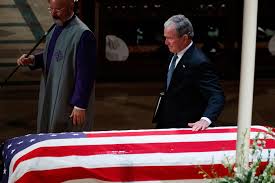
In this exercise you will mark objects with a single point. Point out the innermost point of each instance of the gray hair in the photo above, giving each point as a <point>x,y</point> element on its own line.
<point>183,25</point>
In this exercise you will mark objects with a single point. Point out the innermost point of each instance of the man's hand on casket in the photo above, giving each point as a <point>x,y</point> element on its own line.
<point>199,125</point>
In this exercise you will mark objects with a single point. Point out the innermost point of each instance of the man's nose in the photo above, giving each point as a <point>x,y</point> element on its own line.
<point>54,12</point>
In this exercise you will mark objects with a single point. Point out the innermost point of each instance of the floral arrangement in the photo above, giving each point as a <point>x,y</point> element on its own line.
<point>253,173</point>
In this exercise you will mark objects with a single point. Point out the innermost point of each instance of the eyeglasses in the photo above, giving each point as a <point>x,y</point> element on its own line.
<point>51,10</point>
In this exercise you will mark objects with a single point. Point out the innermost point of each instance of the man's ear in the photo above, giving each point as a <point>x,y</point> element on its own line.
<point>186,37</point>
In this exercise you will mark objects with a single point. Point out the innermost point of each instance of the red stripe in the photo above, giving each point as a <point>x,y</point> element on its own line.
<point>170,147</point>
<point>126,174</point>
<point>121,174</point>
<point>166,132</point>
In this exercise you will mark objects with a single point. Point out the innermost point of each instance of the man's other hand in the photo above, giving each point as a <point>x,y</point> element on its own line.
<point>25,61</point>
<point>78,116</point>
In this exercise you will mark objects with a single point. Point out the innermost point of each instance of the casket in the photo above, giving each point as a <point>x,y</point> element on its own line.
<point>132,156</point>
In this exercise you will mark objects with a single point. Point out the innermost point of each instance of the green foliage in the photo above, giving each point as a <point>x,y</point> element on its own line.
<point>251,174</point>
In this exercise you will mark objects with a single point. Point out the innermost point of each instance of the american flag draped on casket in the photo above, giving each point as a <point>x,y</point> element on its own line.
<point>133,156</point>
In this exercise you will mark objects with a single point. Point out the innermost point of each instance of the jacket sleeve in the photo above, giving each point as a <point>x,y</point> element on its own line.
<point>211,90</point>
<point>85,70</point>
<point>38,62</point>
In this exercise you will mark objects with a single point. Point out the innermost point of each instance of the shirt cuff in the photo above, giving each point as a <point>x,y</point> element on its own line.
<point>32,65</point>
<point>75,107</point>
<point>207,119</point>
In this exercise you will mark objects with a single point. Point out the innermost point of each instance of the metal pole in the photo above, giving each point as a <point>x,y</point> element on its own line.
<point>246,81</point>
<point>30,52</point>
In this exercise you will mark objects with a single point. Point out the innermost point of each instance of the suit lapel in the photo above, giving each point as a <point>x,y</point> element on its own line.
<point>183,64</point>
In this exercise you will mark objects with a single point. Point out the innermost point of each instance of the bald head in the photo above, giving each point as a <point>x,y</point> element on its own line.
<point>69,1</point>
<point>63,3</point>
<point>61,10</point>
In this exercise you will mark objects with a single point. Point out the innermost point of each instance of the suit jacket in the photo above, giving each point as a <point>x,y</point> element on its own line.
<point>194,92</point>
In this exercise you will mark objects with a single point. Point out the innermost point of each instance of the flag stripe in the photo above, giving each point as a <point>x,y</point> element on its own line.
<point>128,160</point>
<point>177,147</point>
<point>168,132</point>
<point>122,174</point>
<point>131,174</point>
<point>125,174</point>
<point>91,180</point>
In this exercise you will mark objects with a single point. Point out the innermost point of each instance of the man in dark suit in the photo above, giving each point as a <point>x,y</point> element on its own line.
<point>192,95</point>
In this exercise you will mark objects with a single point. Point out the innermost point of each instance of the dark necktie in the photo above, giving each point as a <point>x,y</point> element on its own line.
<point>171,70</point>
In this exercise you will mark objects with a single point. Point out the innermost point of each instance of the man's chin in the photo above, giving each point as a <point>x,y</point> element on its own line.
<point>172,51</point>
<point>58,22</point>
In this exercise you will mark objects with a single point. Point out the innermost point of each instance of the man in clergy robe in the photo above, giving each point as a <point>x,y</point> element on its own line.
<point>68,72</point>
<point>192,96</point>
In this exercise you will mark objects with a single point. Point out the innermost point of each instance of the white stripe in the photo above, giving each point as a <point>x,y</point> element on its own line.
<point>170,129</point>
<point>128,160</point>
<point>159,181</point>
<point>201,137</point>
